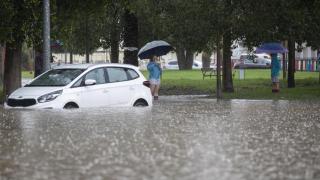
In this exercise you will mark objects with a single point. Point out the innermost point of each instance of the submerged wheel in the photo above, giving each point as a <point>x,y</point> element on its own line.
<point>71,106</point>
<point>140,103</point>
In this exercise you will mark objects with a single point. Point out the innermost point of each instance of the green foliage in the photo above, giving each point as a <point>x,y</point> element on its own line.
<point>110,23</point>
<point>19,21</point>
<point>182,23</point>
<point>278,20</point>
<point>77,24</point>
<point>6,14</point>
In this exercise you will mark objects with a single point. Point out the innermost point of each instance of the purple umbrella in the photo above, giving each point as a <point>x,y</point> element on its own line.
<point>271,48</point>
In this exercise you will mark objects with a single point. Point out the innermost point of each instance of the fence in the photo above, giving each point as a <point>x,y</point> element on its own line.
<point>309,65</point>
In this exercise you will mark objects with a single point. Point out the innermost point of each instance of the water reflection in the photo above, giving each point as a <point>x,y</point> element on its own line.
<point>179,138</point>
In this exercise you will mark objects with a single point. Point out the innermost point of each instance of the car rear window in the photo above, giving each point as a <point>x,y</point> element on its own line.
<point>132,74</point>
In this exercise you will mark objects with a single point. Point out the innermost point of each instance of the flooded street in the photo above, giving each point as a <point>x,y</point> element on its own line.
<point>182,138</point>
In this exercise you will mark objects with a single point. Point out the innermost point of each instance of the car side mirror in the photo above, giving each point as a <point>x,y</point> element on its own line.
<point>90,82</point>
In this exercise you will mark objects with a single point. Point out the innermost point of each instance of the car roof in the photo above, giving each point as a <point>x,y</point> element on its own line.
<point>91,66</point>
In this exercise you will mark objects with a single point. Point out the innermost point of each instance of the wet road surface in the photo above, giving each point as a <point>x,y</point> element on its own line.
<point>181,137</point>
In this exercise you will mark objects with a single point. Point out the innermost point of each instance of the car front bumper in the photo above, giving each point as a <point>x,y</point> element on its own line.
<point>55,104</point>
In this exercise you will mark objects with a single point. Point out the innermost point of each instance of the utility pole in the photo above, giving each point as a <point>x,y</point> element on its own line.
<point>284,62</point>
<point>46,35</point>
<point>218,88</point>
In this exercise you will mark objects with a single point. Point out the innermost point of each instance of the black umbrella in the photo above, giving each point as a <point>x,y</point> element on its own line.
<point>154,48</point>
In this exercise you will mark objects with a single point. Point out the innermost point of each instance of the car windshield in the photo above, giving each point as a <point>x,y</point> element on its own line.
<point>56,77</point>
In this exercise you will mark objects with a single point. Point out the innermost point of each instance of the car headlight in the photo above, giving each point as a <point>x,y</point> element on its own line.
<point>49,97</point>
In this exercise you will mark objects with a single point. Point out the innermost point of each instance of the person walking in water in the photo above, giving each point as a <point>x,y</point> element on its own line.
<point>155,73</point>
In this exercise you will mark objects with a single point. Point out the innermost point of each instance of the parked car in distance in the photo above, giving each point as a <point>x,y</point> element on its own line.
<point>84,85</point>
<point>253,61</point>
<point>174,65</point>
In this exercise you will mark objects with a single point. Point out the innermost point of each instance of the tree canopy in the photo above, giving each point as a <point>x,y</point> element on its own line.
<point>190,26</point>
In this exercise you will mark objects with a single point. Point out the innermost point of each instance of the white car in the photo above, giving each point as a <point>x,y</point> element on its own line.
<point>254,61</point>
<point>84,85</point>
<point>174,65</point>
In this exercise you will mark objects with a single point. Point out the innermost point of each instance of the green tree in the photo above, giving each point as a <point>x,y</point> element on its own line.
<point>182,23</point>
<point>130,37</point>
<point>19,26</point>
<point>189,28</point>
<point>280,20</point>
<point>6,14</point>
<point>77,25</point>
<point>111,27</point>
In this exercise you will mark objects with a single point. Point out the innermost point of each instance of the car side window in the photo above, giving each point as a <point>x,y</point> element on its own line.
<point>132,74</point>
<point>98,75</point>
<point>116,74</point>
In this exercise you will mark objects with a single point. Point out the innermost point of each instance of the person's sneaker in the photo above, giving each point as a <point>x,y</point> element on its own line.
<point>275,90</point>
<point>156,97</point>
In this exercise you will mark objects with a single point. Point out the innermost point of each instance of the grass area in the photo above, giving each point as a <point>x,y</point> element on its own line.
<point>28,74</point>
<point>256,85</point>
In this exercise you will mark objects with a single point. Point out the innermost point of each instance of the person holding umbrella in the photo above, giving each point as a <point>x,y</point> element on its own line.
<point>273,48</point>
<point>155,73</point>
<point>153,50</point>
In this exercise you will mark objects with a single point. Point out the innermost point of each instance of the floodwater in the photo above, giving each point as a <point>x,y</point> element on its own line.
<point>181,138</point>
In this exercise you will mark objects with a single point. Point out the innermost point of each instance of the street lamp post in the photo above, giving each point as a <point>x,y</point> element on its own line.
<point>46,35</point>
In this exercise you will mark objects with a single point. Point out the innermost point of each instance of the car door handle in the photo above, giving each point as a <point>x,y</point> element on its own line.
<point>131,88</point>
<point>105,91</point>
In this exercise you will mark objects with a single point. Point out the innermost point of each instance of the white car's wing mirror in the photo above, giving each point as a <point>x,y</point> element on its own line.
<point>90,82</point>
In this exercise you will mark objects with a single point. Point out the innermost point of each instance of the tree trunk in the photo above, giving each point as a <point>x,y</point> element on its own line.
<point>185,58</point>
<point>130,38</point>
<point>181,57</point>
<point>205,60</point>
<point>2,57</point>
<point>227,69</point>
<point>114,56</point>
<point>189,59</point>
<point>284,66</point>
<point>86,40</point>
<point>38,62</point>
<point>291,63</point>
<point>284,62</point>
<point>12,68</point>
<point>71,57</point>
<point>115,38</point>
<point>218,88</point>
<point>87,57</point>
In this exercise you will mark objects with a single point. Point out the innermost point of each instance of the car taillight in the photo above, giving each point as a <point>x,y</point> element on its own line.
<point>146,83</point>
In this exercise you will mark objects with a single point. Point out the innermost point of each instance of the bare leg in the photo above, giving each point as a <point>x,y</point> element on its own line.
<point>156,91</point>
<point>152,89</point>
